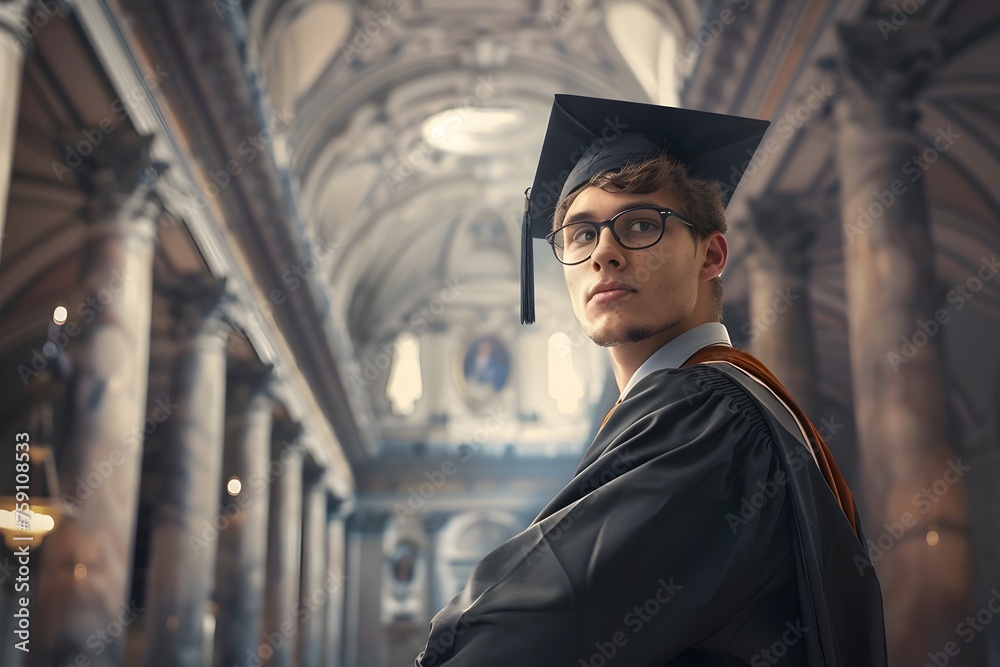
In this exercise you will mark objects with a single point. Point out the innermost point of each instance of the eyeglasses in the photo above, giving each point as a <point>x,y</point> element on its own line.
<point>633,229</point>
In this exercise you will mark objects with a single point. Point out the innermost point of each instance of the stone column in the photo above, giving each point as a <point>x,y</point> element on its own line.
<point>313,591</point>
<point>284,540</point>
<point>336,535</point>
<point>185,532</point>
<point>14,41</point>
<point>780,331</point>
<point>918,517</point>
<point>364,634</point>
<point>85,579</point>
<point>242,555</point>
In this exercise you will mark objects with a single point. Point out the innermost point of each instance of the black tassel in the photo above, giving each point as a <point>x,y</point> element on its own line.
<point>527,264</point>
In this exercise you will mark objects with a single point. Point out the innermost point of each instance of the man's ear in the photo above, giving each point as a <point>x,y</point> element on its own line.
<point>716,255</point>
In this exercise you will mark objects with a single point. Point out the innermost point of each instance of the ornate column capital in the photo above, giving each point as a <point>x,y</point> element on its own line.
<point>880,78</point>
<point>248,380</point>
<point>200,308</point>
<point>338,509</point>
<point>15,22</point>
<point>121,176</point>
<point>782,227</point>
<point>286,435</point>
<point>312,474</point>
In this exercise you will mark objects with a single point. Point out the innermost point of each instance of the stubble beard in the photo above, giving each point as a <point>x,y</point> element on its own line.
<point>628,333</point>
<point>625,335</point>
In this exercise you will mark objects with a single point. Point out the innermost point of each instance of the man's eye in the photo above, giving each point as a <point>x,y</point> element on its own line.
<point>644,226</point>
<point>582,236</point>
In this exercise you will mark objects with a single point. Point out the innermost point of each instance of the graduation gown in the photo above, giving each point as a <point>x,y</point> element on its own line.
<point>700,528</point>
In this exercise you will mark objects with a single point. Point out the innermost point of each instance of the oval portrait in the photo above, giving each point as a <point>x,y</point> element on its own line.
<point>485,367</point>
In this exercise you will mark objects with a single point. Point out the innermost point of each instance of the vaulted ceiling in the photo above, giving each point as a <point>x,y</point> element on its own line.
<point>370,85</point>
<point>402,137</point>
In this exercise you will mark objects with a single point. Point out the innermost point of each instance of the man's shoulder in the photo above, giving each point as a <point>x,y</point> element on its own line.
<point>706,388</point>
<point>698,382</point>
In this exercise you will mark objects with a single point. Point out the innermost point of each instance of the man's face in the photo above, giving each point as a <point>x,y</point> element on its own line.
<point>659,284</point>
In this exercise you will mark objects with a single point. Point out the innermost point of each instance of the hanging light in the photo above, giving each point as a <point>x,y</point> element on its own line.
<point>29,515</point>
<point>34,509</point>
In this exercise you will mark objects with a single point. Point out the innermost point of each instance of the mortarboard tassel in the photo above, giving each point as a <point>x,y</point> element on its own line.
<point>527,264</point>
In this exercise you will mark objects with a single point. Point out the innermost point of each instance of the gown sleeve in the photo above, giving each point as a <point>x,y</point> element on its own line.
<point>664,534</point>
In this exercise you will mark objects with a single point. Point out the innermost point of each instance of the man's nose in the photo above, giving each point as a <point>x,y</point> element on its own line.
<point>608,251</point>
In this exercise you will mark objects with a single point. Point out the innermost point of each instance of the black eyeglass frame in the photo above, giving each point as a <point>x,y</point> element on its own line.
<point>610,224</point>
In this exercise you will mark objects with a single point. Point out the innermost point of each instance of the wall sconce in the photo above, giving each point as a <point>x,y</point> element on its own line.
<point>34,509</point>
<point>36,495</point>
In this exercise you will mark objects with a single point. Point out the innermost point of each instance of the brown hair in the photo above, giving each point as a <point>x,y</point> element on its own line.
<point>699,199</point>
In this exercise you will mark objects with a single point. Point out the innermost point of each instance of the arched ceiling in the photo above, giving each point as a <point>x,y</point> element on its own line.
<point>407,212</point>
<point>414,140</point>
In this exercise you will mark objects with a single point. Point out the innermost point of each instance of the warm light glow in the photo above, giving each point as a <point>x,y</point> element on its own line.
<point>933,538</point>
<point>473,130</point>
<point>59,315</point>
<point>234,486</point>
<point>36,521</point>
<point>37,525</point>
<point>405,385</point>
<point>564,384</point>
<point>80,571</point>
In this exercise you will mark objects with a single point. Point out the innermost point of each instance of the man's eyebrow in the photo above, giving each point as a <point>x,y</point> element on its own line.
<point>581,216</point>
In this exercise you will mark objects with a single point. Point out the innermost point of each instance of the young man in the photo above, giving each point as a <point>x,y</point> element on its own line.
<point>707,524</point>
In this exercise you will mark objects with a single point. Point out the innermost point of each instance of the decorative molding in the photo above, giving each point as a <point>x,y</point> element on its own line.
<point>880,81</point>
<point>179,191</point>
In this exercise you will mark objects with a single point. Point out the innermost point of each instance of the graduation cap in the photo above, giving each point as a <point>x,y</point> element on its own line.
<point>588,136</point>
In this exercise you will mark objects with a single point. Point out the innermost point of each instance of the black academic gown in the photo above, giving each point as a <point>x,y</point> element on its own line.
<point>697,530</point>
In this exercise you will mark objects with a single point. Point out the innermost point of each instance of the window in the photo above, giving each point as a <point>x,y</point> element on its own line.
<point>564,384</point>
<point>649,49</point>
<point>405,385</point>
